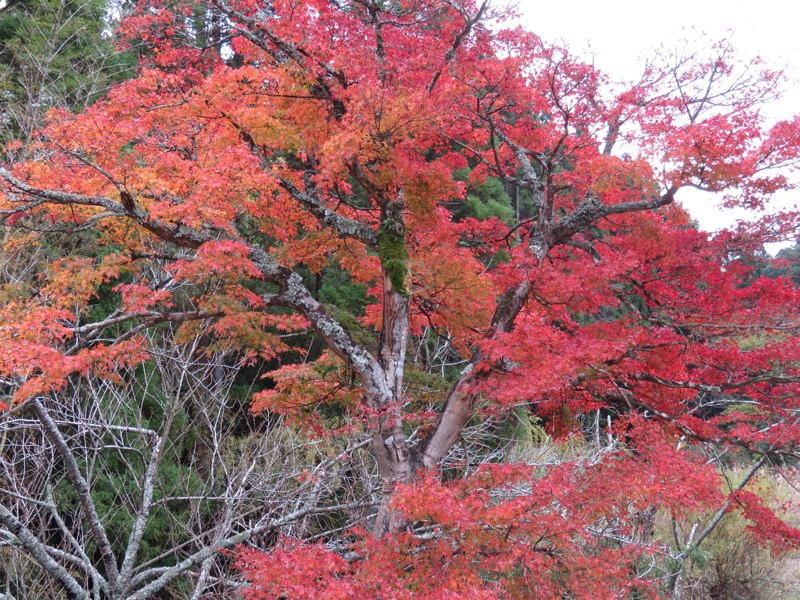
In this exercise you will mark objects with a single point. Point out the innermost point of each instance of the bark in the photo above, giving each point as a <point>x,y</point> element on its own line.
<point>143,514</point>
<point>38,551</point>
<point>389,443</point>
<point>81,487</point>
<point>329,217</point>
<point>458,408</point>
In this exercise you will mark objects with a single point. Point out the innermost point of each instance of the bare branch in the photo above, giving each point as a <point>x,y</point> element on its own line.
<point>81,488</point>
<point>39,552</point>
<point>168,574</point>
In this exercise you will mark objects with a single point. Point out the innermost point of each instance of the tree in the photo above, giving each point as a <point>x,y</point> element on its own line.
<point>54,54</point>
<point>154,478</point>
<point>217,192</point>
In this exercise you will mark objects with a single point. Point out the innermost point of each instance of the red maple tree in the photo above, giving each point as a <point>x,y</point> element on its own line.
<point>329,133</point>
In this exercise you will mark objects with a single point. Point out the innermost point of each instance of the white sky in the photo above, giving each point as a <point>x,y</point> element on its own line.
<point>619,33</point>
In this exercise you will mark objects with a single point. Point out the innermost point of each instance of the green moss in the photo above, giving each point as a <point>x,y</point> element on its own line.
<point>393,254</point>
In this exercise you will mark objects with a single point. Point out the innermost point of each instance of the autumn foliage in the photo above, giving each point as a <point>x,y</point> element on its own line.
<point>328,136</point>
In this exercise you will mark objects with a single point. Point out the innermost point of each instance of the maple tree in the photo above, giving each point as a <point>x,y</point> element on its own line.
<point>342,137</point>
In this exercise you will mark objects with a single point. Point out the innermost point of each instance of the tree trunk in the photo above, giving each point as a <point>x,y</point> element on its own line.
<point>389,442</point>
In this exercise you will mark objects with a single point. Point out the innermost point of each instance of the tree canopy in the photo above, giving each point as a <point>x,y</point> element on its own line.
<point>417,221</point>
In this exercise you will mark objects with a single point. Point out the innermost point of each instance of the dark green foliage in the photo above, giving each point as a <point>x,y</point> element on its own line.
<point>786,265</point>
<point>55,53</point>
<point>210,26</point>
<point>339,290</point>
<point>118,473</point>
<point>489,199</point>
<point>346,300</point>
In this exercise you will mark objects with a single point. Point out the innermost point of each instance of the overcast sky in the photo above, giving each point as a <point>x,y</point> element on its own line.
<point>620,33</point>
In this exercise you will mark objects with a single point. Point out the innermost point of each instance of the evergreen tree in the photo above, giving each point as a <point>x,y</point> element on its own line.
<point>54,53</point>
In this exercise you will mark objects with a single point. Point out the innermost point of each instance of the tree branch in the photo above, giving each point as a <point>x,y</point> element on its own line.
<point>38,551</point>
<point>329,217</point>
<point>469,23</point>
<point>82,489</point>
<point>98,579</point>
<point>180,236</point>
<point>142,515</point>
<point>169,573</point>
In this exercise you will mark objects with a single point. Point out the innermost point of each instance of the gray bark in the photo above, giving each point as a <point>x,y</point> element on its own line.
<point>38,551</point>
